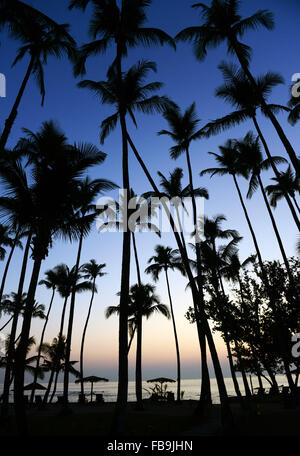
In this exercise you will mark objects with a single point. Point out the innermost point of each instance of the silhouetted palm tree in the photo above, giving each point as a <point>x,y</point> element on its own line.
<point>144,302</point>
<point>166,259</point>
<point>90,271</point>
<point>250,154</point>
<point>222,22</point>
<point>286,183</point>
<point>89,190</point>
<point>14,243</point>
<point>39,41</point>
<point>238,91</point>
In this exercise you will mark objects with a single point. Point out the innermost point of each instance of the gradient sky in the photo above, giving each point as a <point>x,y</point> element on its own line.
<point>80,114</point>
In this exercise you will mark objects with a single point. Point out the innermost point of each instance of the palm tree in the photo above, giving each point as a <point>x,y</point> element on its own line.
<point>286,182</point>
<point>90,271</point>
<point>122,27</point>
<point>127,96</point>
<point>230,164</point>
<point>238,91</point>
<point>222,22</point>
<point>144,302</point>
<point>14,243</point>
<point>51,281</point>
<point>164,260</point>
<point>40,40</point>
<point>48,214</point>
<point>250,154</point>
<point>86,216</point>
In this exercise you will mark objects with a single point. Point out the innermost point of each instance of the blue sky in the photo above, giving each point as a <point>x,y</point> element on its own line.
<point>185,81</point>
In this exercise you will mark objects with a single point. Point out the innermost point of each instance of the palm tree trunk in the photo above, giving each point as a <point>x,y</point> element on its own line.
<point>70,326</point>
<point>280,332</point>
<point>11,346</point>
<point>288,147</point>
<point>7,323</point>
<point>118,424</point>
<point>175,336</point>
<point>296,204</point>
<point>40,347</point>
<point>231,365</point>
<point>226,414</point>
<point>276,172</point>
<point>8,264</point>
<point>139,323</point>
<point>291,278</point>
<point>14,112</point>
<point>83,337</point>
<point>45,399</point>
<point>62,321</point>
<point>131,339</point>
<point>20,408</point>
<point>242,370</point>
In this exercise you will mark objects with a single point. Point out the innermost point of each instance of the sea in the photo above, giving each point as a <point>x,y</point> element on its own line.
<point>191,389</point>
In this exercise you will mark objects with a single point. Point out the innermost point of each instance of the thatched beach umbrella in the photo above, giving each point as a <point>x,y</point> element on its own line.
<point>92,379</point>
<point>161,380</point>
<point>36,386</point>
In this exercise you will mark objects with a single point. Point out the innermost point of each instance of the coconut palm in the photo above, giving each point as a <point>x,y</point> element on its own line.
<point>166,259</point>
<point>231,165</point>
<point>222,22</point>
<point>144,301</point>
<point>286,182</point>
<point>51,281</point>
<point>90,271</point>
<point>250,154</point>
<point>40,41</point>
<point>122,27</point>
<point>48,214</point>
<point>86,215</point>
<point>238,91</point>
<point>14,243</point>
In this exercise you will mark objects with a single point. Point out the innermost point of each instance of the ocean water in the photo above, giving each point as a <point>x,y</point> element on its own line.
<point>191,389</point>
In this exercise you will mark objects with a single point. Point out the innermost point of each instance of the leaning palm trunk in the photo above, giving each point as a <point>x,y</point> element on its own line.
<point>288,269</point>
<point>139,323</point>
<point>83,337</point>
<point>7,323</point>
<point>14,112</point>
<point>22,349</point>
<point>205,395</point>
<point>288,147</point>
<point>278,319</point>
<point>232,370</point>
<point>226,414</point>
<point>11,346</point>
<point>242,370</point>
<point>118,424</point>
<point>175,336</point>
<point>40,348</point>
<point>276,172</point>
<point>8,264</point>
<point>70,326</point>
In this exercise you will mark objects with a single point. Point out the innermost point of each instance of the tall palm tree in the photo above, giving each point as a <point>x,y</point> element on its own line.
<point>48,214</point>
<point>128,95</point>
<point>250,154</point>
<point>14,243</point>
<point>166,259</point>
<point>144,302</point>
<point>122,27</point>
<point>286,182</point>
<point>222,22</point>
<point>238,91</point>
<point>51,281</point>
<point>86,215</point>
<point>231,165</point>
<point>90,271</point>
<point>40,41</point>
